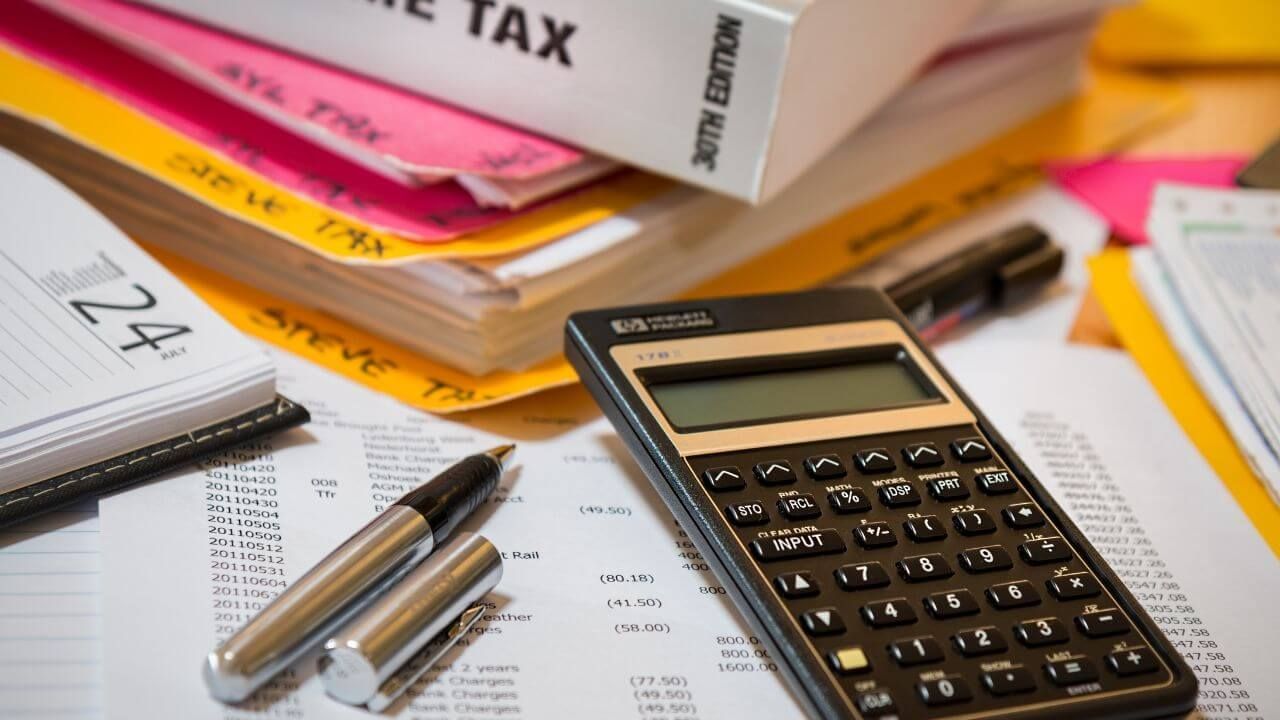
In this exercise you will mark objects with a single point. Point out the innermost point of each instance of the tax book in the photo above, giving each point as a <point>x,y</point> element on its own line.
<point>111,371</point>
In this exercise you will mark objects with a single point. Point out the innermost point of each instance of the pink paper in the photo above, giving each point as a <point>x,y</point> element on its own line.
<point>433,213</point>
<point>416,135</point>
<point>1120,189</point>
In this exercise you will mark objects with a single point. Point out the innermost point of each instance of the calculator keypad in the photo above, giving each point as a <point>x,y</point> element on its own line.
<point>924,577</point>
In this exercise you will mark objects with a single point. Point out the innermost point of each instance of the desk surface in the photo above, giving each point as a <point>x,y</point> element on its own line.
<point>1235,111</point>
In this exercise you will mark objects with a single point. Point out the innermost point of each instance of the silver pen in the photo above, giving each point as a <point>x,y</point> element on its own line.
<point>350,577</point>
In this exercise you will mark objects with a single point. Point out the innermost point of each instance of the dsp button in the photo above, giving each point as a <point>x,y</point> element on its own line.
<point>824,467</point>
<point>945,690</point>
<point>1071,671</point>
<point>922,455</point>
<point>1132,661</point>
<point>818,542</point>
<point>875,460</point>
<point>799,507</point>
<point>900,494</point>
<point>970,449</point>
<point>1046,550</point>
<point>774,472</point>
<point>1102,623</point>
<point>723,478</point>
<point>746,513</point>
<point>998,482</point>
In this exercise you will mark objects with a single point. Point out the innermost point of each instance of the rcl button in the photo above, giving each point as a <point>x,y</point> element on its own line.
<point>799,507</point>
<point>818,542</point>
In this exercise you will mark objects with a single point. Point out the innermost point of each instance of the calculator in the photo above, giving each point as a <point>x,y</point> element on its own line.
<point>885,543</point>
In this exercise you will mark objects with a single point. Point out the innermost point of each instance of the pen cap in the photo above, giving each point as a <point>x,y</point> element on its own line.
<point>377,642</point>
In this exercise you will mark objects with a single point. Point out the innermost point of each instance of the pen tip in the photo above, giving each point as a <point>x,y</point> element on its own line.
<point>502,454</point>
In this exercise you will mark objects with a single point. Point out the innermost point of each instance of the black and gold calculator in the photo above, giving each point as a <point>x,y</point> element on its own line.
<point>896,556</point>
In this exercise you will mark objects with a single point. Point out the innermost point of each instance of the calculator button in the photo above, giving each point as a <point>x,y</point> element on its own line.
<point>886,613</point>
<point>1046,550</point>
<point>799,507</point>
<point>848,500</point>
<point>1008,681</point>
<point>1073,586</point>
<point>925,528</point>
<point>875,703</point>
<point>875,535</point>
<point>849,660</point>
<point>747,513</point>
<point>1101,623</point>
<point>915,651</point>
<point>1023,515</point>
<point>1013,595</point>
<point>899,494</point>
<point>944,690</point>
<point>949,488</point>
<point>924,567</point>
<point>818,542</point>
<point>1071,671</point>
<point>979,641</point>
<point>862,576</point>
<point>825,467</point>
<point>922,455</point>
<point>875,460</point>
<point>822,621</point>
<point>985,559</point>
<point>775,472</point>
<point>974,522</point>
<point>1132,661</point>
<point>997,483</point>
<point>796,584</point>
<point>1045,631</point>
<point>970,449</point>
<point>950,604</point>
<point>723,478</point>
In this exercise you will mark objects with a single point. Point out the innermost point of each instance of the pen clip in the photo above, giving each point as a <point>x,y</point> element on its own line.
<point>426,658</point>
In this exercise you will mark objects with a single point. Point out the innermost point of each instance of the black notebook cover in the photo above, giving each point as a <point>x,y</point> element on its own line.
<point>135,466</point>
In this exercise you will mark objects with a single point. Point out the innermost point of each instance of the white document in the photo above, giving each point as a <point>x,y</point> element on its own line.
<point>603,607</point>
<point>1221,251</point>
<point>51,617</point>
<point>602,611</point>
<point>1151,278</point>
<point>1088,424</point>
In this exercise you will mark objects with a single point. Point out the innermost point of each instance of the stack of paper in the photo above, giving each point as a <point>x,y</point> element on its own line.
<point>460,238</point>
<point>103,351</point>
<point>1212,276</point>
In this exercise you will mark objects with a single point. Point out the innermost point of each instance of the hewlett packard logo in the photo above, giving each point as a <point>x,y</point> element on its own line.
<point>663,322</point>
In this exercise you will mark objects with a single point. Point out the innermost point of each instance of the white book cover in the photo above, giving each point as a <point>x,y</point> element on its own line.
<point>737,96</point>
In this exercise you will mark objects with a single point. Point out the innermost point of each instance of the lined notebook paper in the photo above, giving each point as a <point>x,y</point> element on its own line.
<point>51,616</point>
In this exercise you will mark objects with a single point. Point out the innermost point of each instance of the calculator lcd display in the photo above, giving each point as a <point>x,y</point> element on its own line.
<point>727,400</point>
